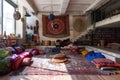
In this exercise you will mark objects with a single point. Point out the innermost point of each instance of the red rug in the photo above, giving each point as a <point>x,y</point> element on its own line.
<point>42,65</point>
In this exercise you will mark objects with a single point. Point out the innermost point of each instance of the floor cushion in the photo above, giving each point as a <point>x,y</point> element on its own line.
<point>26,61</point>
<point>84,52</point>
<point>55,50</point>
<point>59,58</point>
<point>3,53</point>
<point>103,62</point>
<point>92,55</point>
<point>11,50</point>
<point>17,62</point>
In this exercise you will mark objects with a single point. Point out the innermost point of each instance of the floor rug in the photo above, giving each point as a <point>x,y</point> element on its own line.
<point>42,65</point>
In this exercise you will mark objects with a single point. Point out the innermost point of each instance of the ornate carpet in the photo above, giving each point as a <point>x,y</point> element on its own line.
<point>42,65</point>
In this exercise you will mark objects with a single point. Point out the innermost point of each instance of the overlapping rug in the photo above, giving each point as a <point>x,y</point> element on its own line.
<point>42,65</point>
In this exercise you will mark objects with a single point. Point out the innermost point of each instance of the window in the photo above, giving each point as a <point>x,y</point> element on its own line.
<point>0,16</point>
<point>8,20</point>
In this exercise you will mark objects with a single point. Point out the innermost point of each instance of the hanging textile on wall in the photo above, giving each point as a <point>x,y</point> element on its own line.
<point>57,28</point>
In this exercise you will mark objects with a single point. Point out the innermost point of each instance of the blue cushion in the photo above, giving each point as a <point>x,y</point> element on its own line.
<point>92,55</point>
<point>56,50</point>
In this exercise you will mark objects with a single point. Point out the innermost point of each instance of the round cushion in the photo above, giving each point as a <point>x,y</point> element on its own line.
<point>59,58</point>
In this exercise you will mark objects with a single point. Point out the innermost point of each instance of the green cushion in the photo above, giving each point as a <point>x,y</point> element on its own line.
<point>3,53</point>
<point>4,63</point>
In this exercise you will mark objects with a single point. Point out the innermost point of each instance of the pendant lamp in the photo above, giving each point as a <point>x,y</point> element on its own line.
<point>51,16</point>
<point>27,14</point>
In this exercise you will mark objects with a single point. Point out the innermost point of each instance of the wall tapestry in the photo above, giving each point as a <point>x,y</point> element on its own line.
<point>57,28</point>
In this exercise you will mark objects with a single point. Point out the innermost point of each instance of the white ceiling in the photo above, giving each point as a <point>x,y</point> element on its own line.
<point>60,6</point>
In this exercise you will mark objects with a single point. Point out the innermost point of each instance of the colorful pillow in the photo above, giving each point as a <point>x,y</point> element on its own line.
<point>26,61</point>
<point>18,48</point>
<point>3,45</point>
<point>25,54</point>
<point>13,57</point>
<point>55,50</point>
<point>84,52</point>
<point>4,63</point>
<point>74,49</point>
<point>35,52</point>
<point>3,53</point>
<point>92,55</point>
<point>103,62</point>
<point>11,50</point>
<point>48,50</point>
<point>41,52</point>
<point>17,62</point>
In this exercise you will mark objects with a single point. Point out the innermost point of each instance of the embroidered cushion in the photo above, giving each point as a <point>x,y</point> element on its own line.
<point>100,62</point>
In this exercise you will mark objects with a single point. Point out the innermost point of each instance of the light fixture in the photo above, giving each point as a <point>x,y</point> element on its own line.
<point>51,16</point>
<point>27,14</point>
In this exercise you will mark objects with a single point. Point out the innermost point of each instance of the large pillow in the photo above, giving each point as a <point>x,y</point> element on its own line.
<point>25,54</point>
<point>103,62</point>
<point>26,61</point>
<point>3,45</point>
<point>4,63</point>
<point>3,53</point>
<point>35,52</point>
<point>93,55</point>
<point>55,50</point>
<point>11,50</point>
<point>13,57</point>
<point>48,50</point>
<point>18,48</point>
<point>17,62</point>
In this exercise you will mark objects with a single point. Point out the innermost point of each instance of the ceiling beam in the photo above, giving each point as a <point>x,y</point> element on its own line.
<point>64,6</point>
<point>96,4</point>
<point>32,5</point>
<point>49,3</point>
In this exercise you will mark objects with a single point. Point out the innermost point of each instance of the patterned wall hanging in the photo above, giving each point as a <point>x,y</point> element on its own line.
<point>57,28</point>
<point>79,25</point>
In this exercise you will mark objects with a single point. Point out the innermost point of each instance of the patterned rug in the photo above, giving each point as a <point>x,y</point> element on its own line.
<point>42,65</point>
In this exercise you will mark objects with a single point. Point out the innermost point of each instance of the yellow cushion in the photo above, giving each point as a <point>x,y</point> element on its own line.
<point>59,61</point>
<point>59,58</point>
<point>84,52</point>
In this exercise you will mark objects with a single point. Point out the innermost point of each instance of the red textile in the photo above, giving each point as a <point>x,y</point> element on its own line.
<point>59,27</point>
<point>100,62</point>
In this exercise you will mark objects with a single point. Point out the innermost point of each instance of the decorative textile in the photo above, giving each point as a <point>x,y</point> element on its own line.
<point>42,65</point>
<point>100,62</point>
<point>59,27</point>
